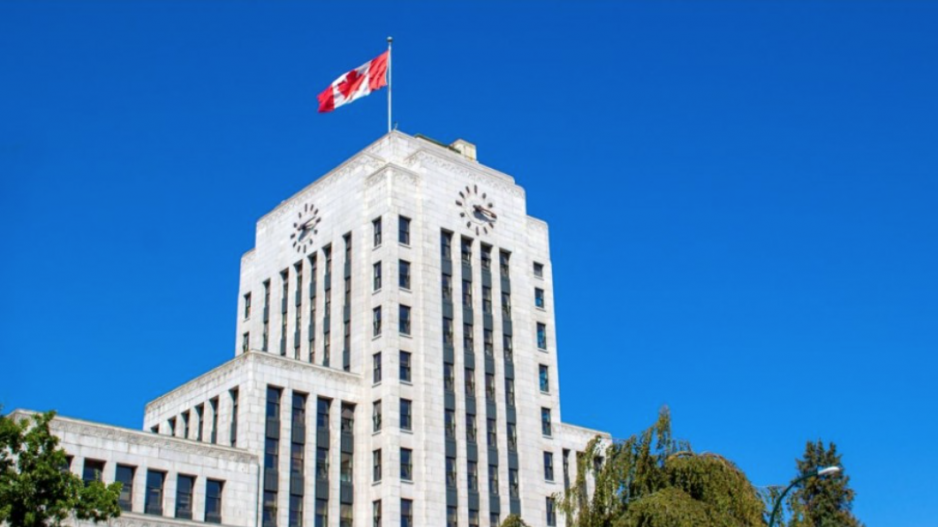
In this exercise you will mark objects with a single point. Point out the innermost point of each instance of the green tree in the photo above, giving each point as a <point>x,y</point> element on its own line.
<point>653,480</point>
<point>824,501</point>
<point>35,491</point>
<point>513,520</point>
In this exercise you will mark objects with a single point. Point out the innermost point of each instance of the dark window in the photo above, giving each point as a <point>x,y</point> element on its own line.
<point>495,519</point>
<point>490,387</point>
<point>451,472</point>
<point>467,293</point>
<point>503,258</point>
<point>539,297</point>
<point>376,227</point>
<point>493,480</point>
<point>549,466</point>
<point>376,513</point>
<point>447,331</point>
<point>322,464</point>
<point>487,342</point>
<point>404,322</point>
<point>213,436</point>
<point>486,257</point>
<point>545,421</point>
<point>403,274</point>
<point>322,413</point>
<point>407,513</point>
<point>405,366</point>
<point>407,468</point>
<point>473,470</point>
<point>486,300</point>
<point>513,485</point>
<point>447,285</point>
<point>446,245</point>
<point>376,465</point>
<point>233,431</point>
<point>512,437</point>
<point>247,305</point>
<point>544,378</point>
<point>451,517</point>
<point>213,489</point>
<point>270,510</point>
<point>467,337</point>
<point>506,305</point>
<point>450,423</point>
<point>348,418</point>
<point>508,347</point>
<point>376,368</point>
<point>376,416</point>
<point>541,336</point>
<point>449,377</point>
<point>200,414</point>
<point>345,467</point>
<point>376,321</point>
<point>295,518</point>
<point>125,476</point>
<point>406,414</point>
<point>539,270</point>
<point>93,470</point>
<point>470,382</point>
<point>403,230</point>
<point>510,392</point>
<point>154,497</point>
<point>466,251</point>
<point>551,513</point>
<point>184,487</point>
<point>491,433</point>
<point>470,428</point>
<point>473,518</point>
<point>322,513</point>
<point>376,276</point>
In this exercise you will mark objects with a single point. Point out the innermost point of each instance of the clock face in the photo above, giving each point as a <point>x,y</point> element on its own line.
<point>476,209</point>
<point>304,228</point>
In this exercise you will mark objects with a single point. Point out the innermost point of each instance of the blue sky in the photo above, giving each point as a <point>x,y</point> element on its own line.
<point>742,200</point>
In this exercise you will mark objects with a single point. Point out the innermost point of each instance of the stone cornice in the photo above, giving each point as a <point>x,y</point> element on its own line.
<point>132,519</point>
<point>536,224</point>
<point>62,425</point>
<point>455,164</point>
<point>304,367</point>
<point>211,377</point>
<point>583,430</point>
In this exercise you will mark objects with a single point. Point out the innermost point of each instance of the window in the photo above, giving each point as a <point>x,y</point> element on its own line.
<point>541,336</point>
<point>125,476</point>
<point>322,464</point>
<point>245,342</point>
<point>376,465</point>
<point>544,378</point>
<point>348,418</point>
<point>247,305</point>
<point>404,322</point>
<point>467,293</point>
<point>376,513</point>
<point>233,431</point>
<point>295,518</point>
<point>538,270</point>
<point>407,467</point>
<point>449,377</point>
<point>473,470</point>
<point>493,480</point>
<point>508,347</point>
<point>322,413</point>
<point>513,485</point>
<point>503,257</point>
<point>490,387</point>
<point>376,321</point>
<point>296,459</point>
<point>509,392</point>
<point>200,415</point>
<point>494,519</point>
<point>376,277</point>
<point>551,512</point>
<point>271,454</point>
<point>487,344</point>
<point>345,515</point>
<point>486,257</point>
<point>213,436</point>
<point>473,518</point>
<point>486,300</point>
<point>545,421</point>
<point>184,487</point>
<point>539,297</point>
<point>270,510</point>
<point>451,517</point>
<point>322,513</point>
<point>407,513</point>
<point>403,274</point>
<point>470,428</point>
<point>92,471</point>
<point>376,416</point>
<point>376,230</point>
<point>491,434</point>
<point>549,466</point>
<point>186,425</point>
<point>467,340</point>
<point>376,368</point>
<point>403,230</point>
<point>447,288</point>
<point>466,251</point>
<point>153,503</point>
<point>405,366</point>
<point>447,331</point>
<point>266,335</point>
<point>451,472</point>
<point>345,467</point>
<point>405,414</point>
<point>213,489</point>
<point>566,469</point>
<point>512,437</point>
<point>172,426</point>
<point>506,304</point>
<point>470,383</point>
<point>450,424</point>
<point>446,245</point>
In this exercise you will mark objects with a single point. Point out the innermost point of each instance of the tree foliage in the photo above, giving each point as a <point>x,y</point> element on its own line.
<point>35,490</point>
<point>824,501</point>
<point>513,520</point>
<point>653,480</point>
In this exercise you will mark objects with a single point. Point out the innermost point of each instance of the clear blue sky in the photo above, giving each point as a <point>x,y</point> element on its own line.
<point>742,199</point>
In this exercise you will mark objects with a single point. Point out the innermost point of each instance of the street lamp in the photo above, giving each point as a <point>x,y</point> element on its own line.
<point>814,473</point>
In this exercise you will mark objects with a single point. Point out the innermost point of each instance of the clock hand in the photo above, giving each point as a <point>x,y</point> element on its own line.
<point>485,211</point>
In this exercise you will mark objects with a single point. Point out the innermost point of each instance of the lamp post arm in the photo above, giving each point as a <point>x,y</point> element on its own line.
<point>778,502</point>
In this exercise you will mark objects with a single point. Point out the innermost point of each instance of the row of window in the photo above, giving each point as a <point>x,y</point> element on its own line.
<point>93,470</point>
<point>183,426</point>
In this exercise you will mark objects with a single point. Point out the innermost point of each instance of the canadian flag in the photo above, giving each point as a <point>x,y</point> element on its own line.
<point>359,82</point>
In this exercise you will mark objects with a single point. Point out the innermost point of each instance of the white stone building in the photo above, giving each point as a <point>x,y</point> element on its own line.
<point>396,364</point>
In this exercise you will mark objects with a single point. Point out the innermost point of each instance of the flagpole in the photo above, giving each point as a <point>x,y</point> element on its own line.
<point>389,84</point>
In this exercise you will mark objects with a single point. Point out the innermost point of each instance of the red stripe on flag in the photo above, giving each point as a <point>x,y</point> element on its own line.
<point>326,101</point>
<point>377,72</point>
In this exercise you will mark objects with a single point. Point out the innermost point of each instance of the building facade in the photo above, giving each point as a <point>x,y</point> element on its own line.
<point>395,364</point>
